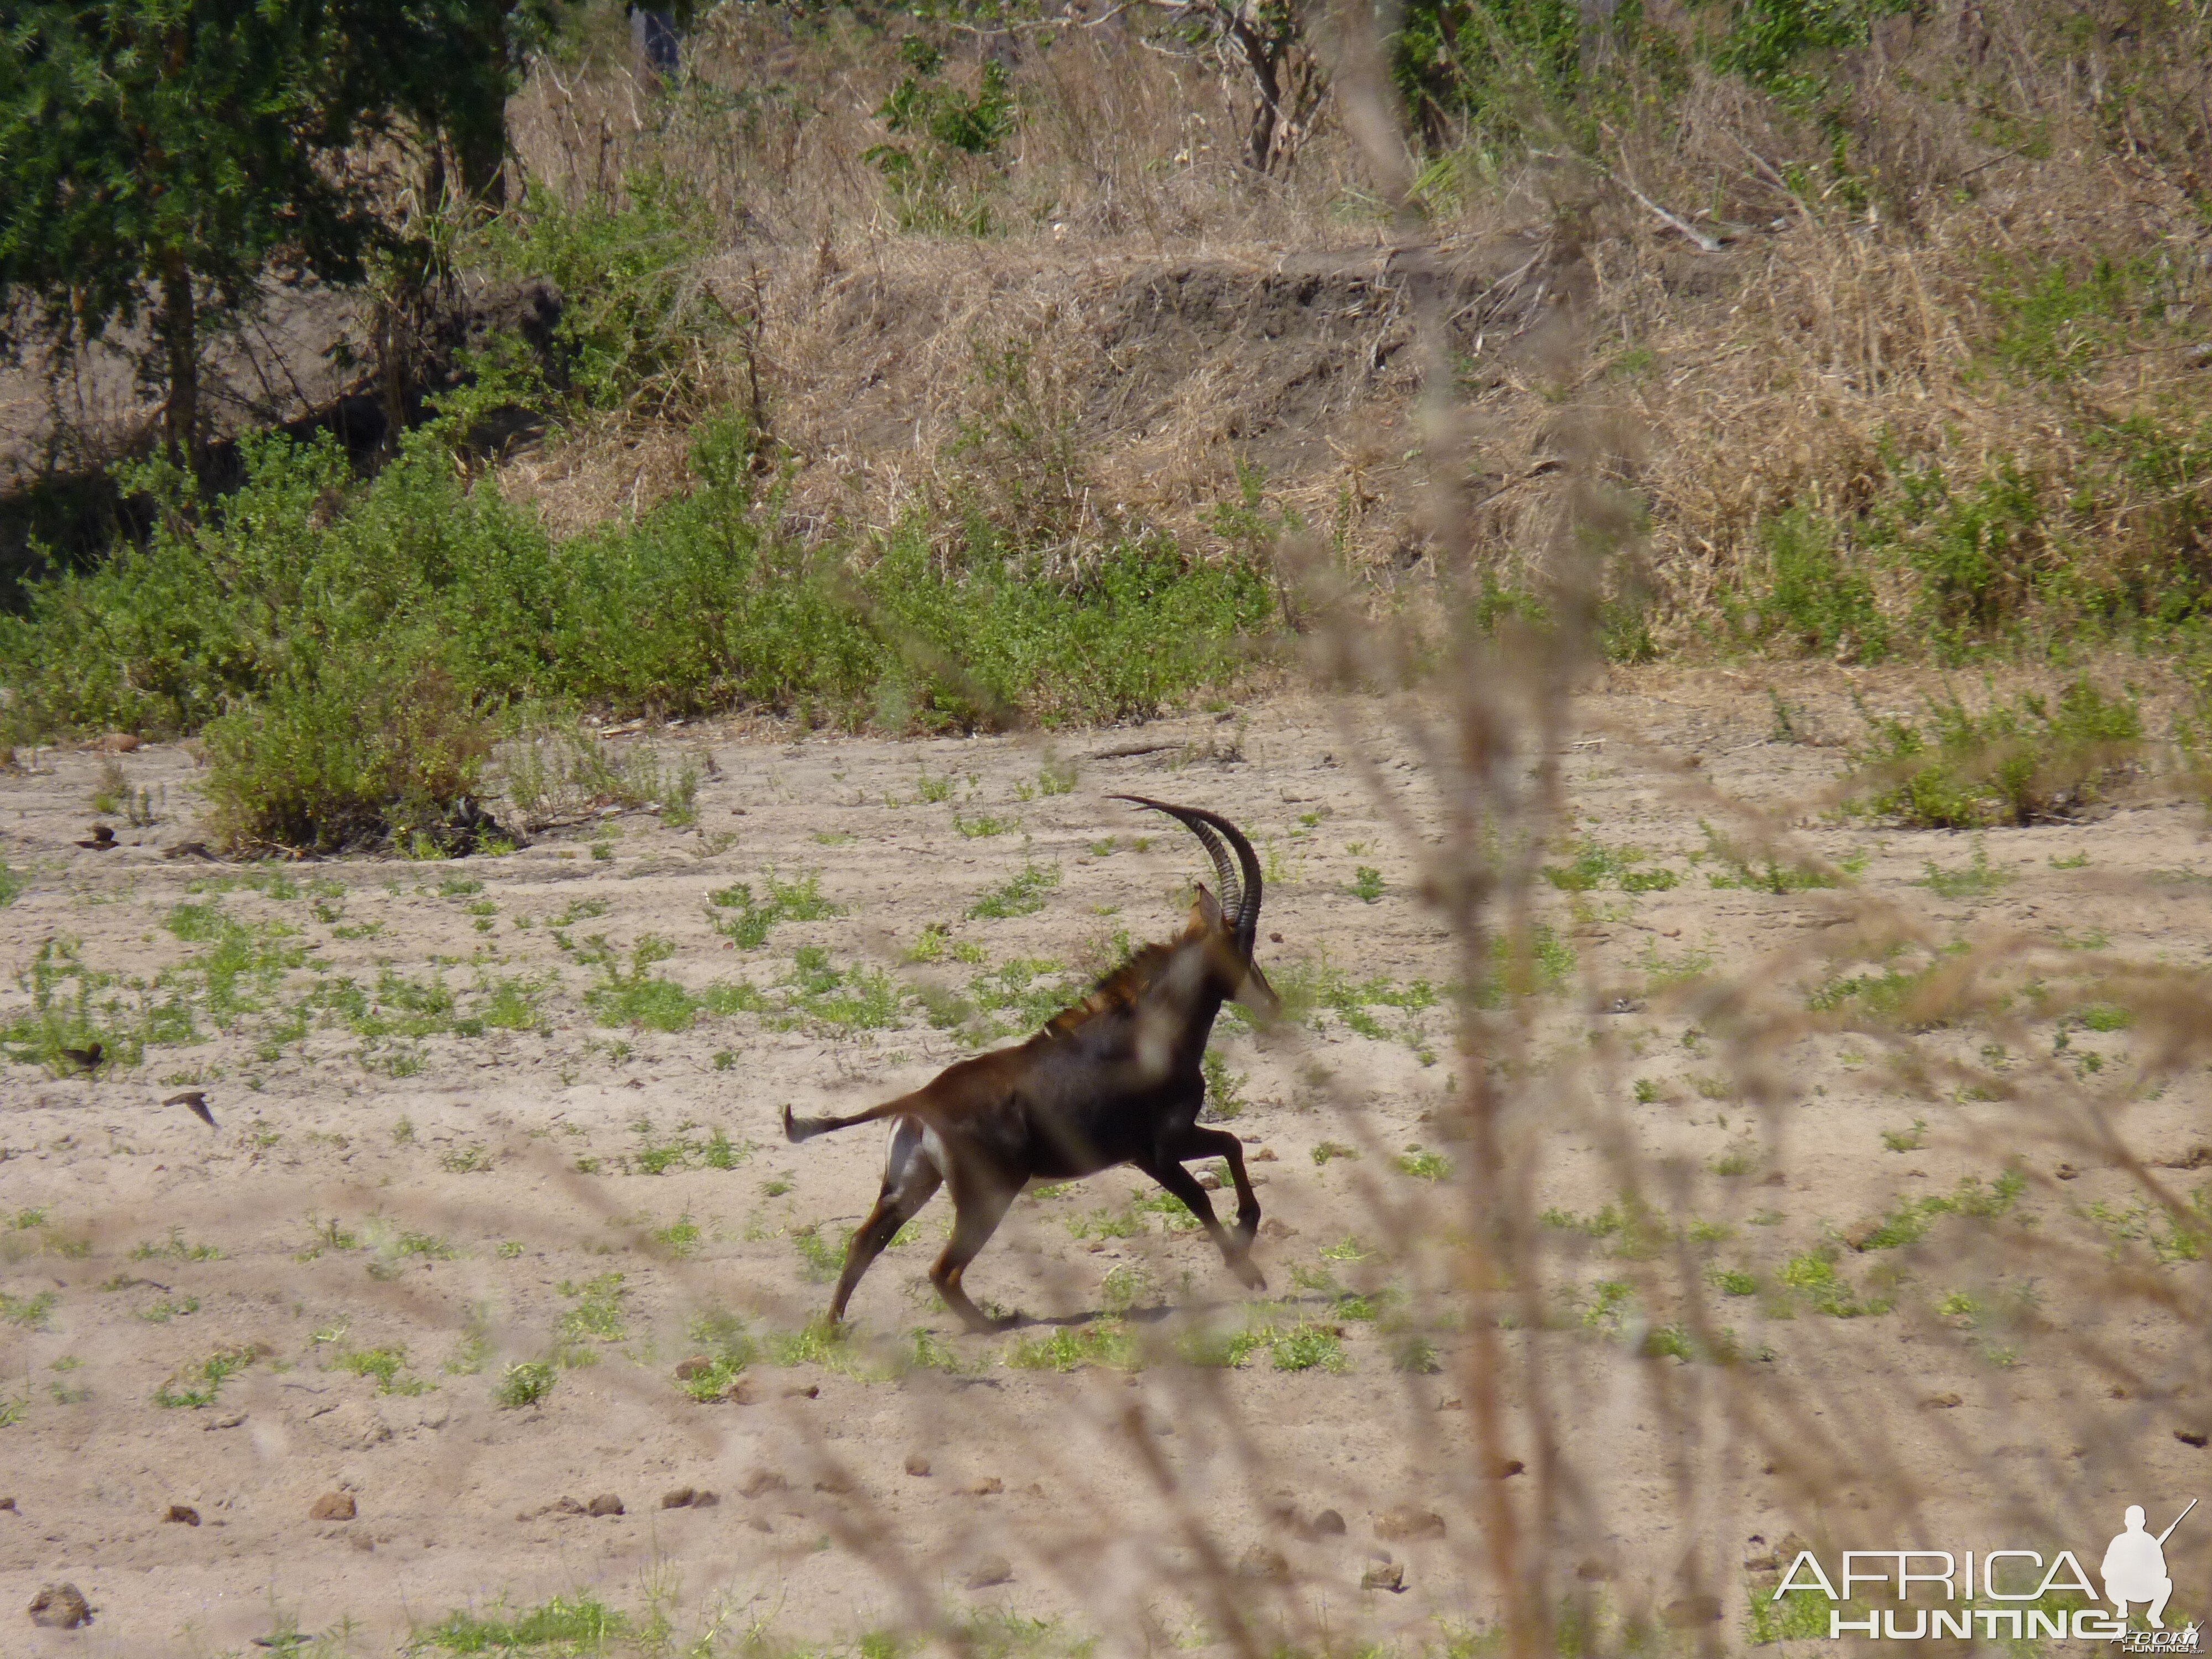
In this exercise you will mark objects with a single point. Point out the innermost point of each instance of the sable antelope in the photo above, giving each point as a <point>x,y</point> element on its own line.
<point>1113,1079</point>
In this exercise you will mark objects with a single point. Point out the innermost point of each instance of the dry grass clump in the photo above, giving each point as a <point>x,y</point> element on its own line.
<point>1932,296</point>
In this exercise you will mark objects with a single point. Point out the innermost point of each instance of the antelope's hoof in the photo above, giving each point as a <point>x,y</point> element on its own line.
<point>1247,1271</point>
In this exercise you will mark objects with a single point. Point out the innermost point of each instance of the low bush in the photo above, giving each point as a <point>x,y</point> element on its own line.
<point>638,327</point>
<point>353,650</point>
<point>2030,760</point>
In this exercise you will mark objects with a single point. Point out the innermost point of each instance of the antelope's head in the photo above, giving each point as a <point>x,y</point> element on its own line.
<point>1225,927</point>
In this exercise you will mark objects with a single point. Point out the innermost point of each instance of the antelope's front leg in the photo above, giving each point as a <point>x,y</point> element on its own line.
<point>1221,1143</point>
<point>1235,1250</point>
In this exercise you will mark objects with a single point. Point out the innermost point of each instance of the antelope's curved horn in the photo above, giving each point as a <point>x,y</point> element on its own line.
<point>1240,881</point>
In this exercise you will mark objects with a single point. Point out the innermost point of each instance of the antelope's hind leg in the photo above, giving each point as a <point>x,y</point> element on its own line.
<point>979,1202</point>
<point>911,1178</point>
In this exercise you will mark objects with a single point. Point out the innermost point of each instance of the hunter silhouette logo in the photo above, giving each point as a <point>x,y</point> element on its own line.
<point>2133,1571</point>
<point>2134,1566</point>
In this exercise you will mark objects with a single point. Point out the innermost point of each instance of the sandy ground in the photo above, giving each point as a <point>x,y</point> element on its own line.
<point>456,1173</point>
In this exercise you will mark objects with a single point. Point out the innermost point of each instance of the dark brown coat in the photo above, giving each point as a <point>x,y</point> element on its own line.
<point>1114,1080</point>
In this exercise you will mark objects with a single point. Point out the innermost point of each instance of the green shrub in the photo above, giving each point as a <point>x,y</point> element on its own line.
<point>1815,597</point>
<point>637,327</point>
<point>384,744</point>
<point>525,1383</point>
<point>930,189</point>
<point>2027,762</point>
<point>349,647</point>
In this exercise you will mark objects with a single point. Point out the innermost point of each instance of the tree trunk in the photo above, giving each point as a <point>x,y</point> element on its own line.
<point>180,340</point>
<point>1263,58</point>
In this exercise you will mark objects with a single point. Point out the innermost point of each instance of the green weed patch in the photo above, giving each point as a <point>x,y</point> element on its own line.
<point>2033,760</point>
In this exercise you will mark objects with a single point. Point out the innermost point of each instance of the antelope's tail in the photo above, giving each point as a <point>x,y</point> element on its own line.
<point>796,1129</point>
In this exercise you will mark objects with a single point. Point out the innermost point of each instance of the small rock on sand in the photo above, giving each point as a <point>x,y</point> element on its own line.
<point>989,1486</point>
<point>989,1569</point>
<point>1388,1574</point>
<point>1328,1524</point>
<point>332,1506</point>
<point>1264,1562</point>
<point>1691,1612</point>
<point>760,1481</point>
<point>184,1512</point>
<point>678,1498</point>
<point>1941,1402</point>
<point>1406,1522</point>
<point>60,1607</point>
<point>916,1464</point>
<point>605,1503</point>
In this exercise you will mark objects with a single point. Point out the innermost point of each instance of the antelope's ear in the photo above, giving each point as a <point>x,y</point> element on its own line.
<point>1258,995</point>
<point>1204,911</point>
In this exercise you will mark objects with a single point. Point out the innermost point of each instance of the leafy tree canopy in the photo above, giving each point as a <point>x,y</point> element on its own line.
<point>172,151</point>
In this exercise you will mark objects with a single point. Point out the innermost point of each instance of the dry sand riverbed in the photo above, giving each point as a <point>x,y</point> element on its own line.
<point>454,1139</point>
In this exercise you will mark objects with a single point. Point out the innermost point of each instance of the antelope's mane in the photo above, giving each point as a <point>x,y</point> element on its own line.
<point>1120,989</point>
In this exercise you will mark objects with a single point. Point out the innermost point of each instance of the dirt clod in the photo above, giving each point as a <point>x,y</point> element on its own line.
<point>1385,1576</point>
<point>1263,1561</point>
<point>605,1503</point>
<point>989,1486</point>
<point>1691,1612</point>
<point>1942,1402</point>
<point>678,1498</point>
<point>1405,1522</point>
<point>989,1570</point>
<point>1506,1468</point>
<point>332,1506</point>
<point>763,1480</point>
<point>2189,1436</point>
<point>916,1464</point>
<point>807,1391</point>
<point>1328,1524</point>
<point>60,1607</point>
<point>183,1512</point>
